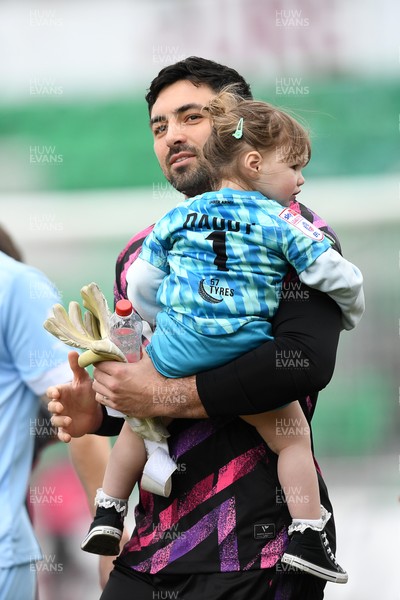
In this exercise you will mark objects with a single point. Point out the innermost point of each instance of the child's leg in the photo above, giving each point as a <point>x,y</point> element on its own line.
<point>125,464</point>
<point>124,468</point>
<point>287,433</point>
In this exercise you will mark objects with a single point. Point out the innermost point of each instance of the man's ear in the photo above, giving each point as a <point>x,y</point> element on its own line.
<point>252,163</point>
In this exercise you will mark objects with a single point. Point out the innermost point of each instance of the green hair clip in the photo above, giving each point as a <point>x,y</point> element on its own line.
<point>239,129</point>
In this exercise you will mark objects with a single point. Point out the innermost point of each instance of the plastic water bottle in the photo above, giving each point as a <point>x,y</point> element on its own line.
<point>126,330</point>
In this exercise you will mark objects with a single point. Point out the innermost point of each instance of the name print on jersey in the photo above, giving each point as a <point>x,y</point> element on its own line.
<point>199,221</point>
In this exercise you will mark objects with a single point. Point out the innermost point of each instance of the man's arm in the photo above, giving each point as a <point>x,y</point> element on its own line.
<point>138,389</point>
<point>299,361</point>
<point>306,329</point>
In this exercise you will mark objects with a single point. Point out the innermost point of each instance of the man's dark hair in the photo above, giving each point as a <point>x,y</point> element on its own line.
<point>8,246</point>
<point>198,71</point>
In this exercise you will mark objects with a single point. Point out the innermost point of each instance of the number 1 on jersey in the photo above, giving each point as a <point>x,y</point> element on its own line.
<point>219,247</point>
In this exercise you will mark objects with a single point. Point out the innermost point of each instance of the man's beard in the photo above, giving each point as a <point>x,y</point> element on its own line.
<point>193,179</point>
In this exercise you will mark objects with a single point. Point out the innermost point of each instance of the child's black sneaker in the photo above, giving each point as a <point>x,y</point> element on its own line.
<point>309,551</point>
<point>105,533</point>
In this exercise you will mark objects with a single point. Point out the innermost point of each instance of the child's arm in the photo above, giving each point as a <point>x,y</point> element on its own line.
<point>143,281</point>
<point>341,280</point>
<point>145,275</point>
<point>320,267</point>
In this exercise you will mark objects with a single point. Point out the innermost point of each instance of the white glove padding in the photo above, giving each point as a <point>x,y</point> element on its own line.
<point>90,332</point>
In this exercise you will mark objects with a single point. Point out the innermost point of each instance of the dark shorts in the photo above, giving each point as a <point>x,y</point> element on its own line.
<point>249,585</point>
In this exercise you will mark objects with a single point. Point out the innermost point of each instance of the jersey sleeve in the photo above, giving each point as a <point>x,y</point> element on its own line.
<point>143,281</point>
<point>125,258</point>
<point>159,242</point>
<point>301,242</point>
<point>319,222</point>
<point>40,358</point>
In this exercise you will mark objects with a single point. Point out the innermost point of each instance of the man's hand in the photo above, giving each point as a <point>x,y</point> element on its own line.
<point>138,389</point>
<point>73,406</point>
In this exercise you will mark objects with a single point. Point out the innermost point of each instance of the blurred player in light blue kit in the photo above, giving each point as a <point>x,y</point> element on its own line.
<point>30,361</point>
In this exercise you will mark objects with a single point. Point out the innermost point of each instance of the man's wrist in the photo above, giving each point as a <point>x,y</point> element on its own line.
<point>179,399</point>
<point>105,423</point>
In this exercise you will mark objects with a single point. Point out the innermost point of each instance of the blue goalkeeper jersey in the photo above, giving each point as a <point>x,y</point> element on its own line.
<point>225,255</point>
<point>225,488</point>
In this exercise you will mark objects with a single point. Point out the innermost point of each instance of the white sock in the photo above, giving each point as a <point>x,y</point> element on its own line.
<point>104,500</point>
<point>316,524</point>
<point>313,523</point>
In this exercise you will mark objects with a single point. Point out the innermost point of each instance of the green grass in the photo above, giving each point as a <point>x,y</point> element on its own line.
<point>354,415</point>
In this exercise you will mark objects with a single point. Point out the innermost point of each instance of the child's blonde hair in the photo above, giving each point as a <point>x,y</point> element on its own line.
<point>264,128</point>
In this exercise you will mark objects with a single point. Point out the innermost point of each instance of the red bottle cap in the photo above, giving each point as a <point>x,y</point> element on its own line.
<point>123,308</point>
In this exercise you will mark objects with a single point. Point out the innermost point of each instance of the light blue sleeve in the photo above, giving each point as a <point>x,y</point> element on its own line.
<point>302,242</point>
<point>321,267</point>
<point>159,242</point>
<point>154,253</point>
<point>39,357</point>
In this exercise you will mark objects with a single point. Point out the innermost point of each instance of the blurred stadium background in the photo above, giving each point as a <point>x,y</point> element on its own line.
<point>78,178</point>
